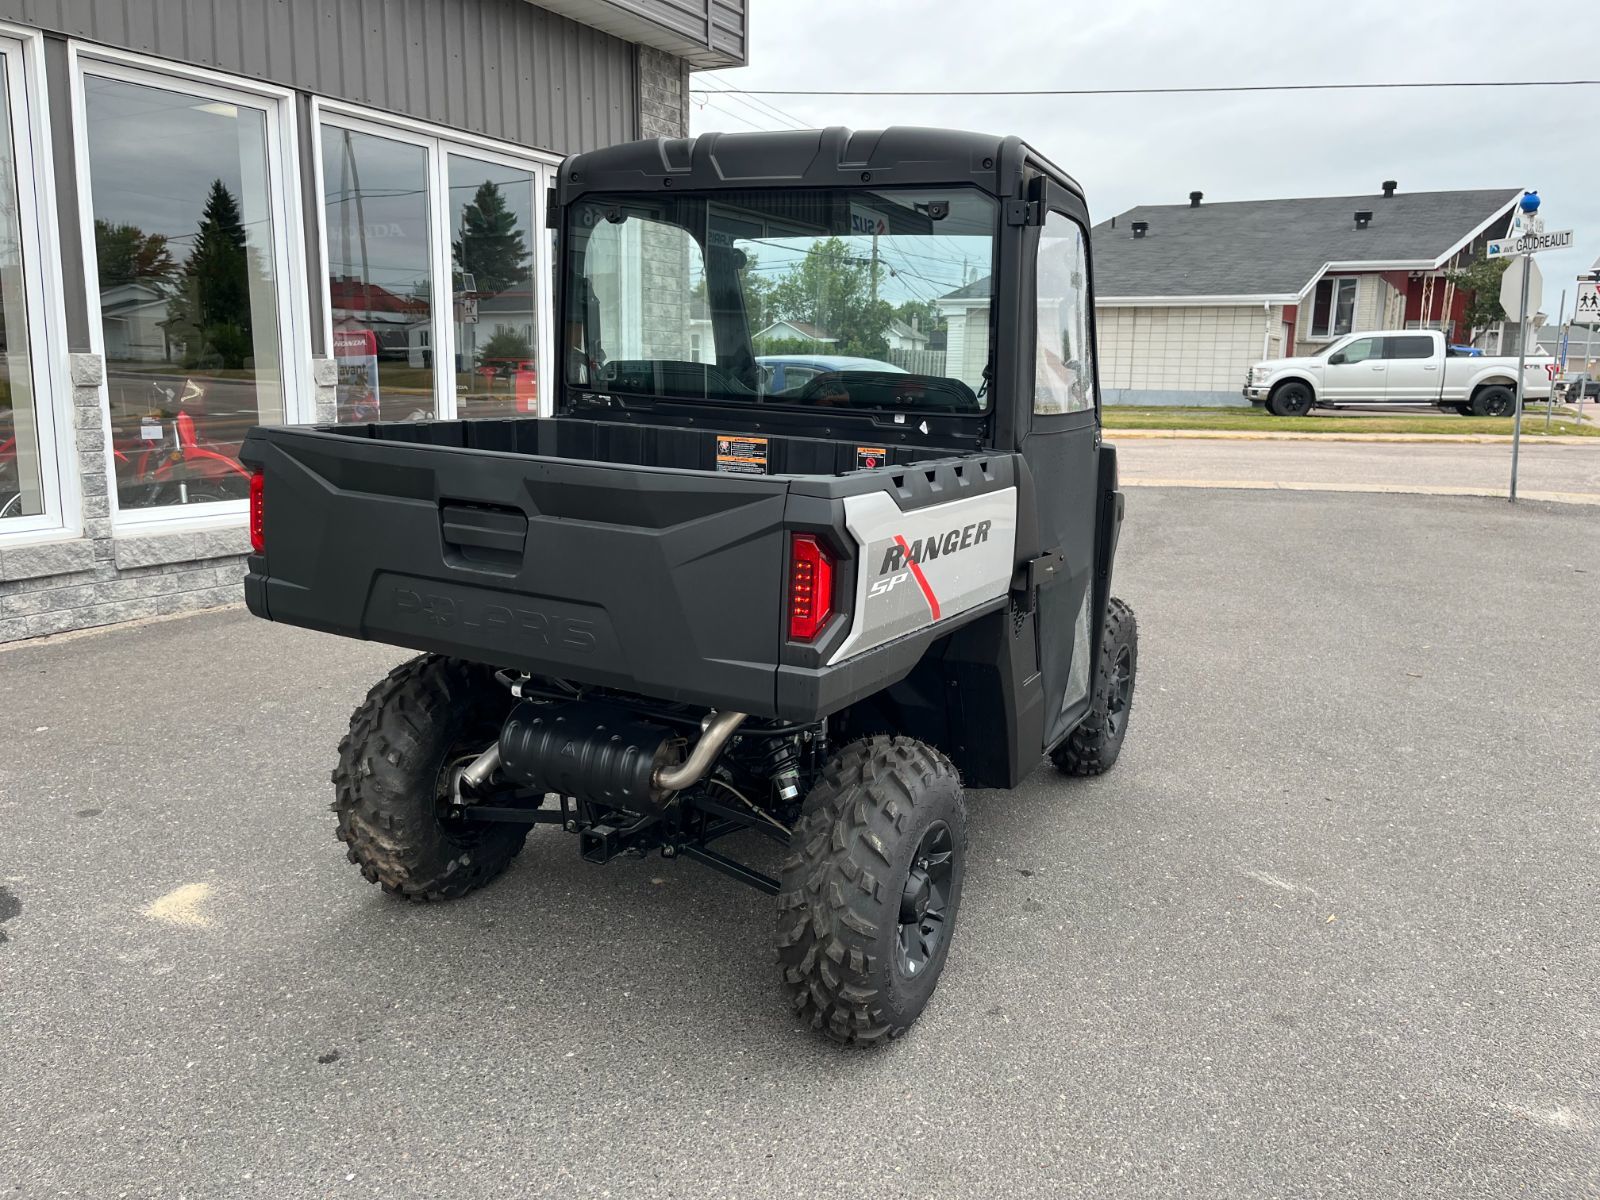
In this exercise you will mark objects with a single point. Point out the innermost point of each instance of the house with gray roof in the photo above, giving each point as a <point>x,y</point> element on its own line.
<point>1187,296</point>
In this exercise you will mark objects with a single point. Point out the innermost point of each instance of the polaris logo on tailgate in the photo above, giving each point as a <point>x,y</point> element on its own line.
<point>932,562</point>
<point>559,631</point>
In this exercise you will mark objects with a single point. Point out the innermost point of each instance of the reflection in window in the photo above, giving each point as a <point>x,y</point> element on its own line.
<point>491,218</point>
<point>1333,307</point>
<point>21,487</point>
<point>380,275</point>
<point>1063,353</point>
<point>188,294</point>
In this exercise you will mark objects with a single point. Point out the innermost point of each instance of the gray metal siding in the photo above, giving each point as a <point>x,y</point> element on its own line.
<point>501,68</point>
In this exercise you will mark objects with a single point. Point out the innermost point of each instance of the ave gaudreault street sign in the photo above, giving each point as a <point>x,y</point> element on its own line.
<point>1531,243</point>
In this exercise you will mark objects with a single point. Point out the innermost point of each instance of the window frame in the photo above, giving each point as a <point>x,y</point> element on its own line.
<point>283,182</point>
<point>1335,282</point>
<point>1037,417</point>
<point>438,143</point>
<point>43,292</point>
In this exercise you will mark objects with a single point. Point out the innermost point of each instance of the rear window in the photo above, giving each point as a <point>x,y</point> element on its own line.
<point>1409,347</point>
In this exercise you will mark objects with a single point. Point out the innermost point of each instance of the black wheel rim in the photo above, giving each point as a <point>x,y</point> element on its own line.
<point>925,900</point>
<point>1121,690</point>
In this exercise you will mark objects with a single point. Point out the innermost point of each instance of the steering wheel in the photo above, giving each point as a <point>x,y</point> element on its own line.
<point>832,382</point>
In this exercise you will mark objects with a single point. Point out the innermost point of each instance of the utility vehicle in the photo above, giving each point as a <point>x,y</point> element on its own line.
<point>689,606</point>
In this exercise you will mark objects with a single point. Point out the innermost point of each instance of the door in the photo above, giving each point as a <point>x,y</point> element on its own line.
<point>1414,369</point>
<point>1356,373</point>
<point>1062,453</point>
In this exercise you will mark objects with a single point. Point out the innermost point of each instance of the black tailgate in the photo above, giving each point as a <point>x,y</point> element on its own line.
<point>659,581</point>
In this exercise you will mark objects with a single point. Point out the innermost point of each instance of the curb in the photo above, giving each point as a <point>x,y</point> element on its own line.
<point>1244,435</point>
<point>1258,485</point>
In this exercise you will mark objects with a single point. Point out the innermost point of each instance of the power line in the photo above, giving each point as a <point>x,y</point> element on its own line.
<point>765,117</point>
<point>1166,91</point>
<point>742,120</point>
<point>760,105</point>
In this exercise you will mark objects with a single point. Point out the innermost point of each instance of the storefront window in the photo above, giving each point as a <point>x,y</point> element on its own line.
<point>22,487</point>
<point>188,286</point>
<point>493,301</point>
<point>380,274</point>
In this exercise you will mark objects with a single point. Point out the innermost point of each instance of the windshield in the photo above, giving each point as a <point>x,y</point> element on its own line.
<point>847,298</point>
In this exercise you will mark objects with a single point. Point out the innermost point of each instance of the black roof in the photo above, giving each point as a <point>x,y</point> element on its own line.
<point>1260,248</point>
<point>836,157</point>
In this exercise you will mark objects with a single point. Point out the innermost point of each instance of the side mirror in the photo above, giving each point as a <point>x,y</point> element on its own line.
<point>1335,360</point>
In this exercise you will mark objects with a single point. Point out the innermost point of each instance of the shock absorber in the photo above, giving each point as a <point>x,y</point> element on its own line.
<point>781,765</point>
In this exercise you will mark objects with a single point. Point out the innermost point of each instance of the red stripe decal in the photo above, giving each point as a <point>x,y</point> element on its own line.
<point>922,580</point>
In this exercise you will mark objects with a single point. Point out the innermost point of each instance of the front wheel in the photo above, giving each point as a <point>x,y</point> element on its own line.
<point>1290,400</point>
<point>396,775</point>
<point>1093,747</point>
<point>867,903</point>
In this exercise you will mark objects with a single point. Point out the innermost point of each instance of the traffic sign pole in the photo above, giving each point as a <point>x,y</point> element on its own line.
<point>1522,366</point>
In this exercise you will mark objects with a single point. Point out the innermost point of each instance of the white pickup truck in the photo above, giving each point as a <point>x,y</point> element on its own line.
<point>1396,367</point>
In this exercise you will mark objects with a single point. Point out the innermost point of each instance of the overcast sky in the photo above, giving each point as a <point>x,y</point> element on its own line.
<point>1128,150</point>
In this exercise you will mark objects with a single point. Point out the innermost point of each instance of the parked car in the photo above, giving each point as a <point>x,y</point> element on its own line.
<point>1574,391</point>
<point>1396,367</point>
<point>791,372</point>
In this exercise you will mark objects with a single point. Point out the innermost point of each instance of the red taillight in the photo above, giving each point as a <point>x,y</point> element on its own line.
<point>258,526</point>
<point>810,587</point>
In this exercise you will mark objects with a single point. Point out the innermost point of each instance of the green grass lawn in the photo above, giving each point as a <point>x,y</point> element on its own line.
<point>1248,418</point>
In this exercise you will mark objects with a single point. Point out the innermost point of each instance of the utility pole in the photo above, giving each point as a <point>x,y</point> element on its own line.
<point>874,267</point>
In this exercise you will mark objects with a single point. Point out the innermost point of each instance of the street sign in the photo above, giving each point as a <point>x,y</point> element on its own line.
<point>1531,243</point>
<point>1588,309</point>
<point>1511,290</point>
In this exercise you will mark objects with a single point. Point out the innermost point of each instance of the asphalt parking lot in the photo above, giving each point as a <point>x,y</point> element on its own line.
<point>1329,929</point>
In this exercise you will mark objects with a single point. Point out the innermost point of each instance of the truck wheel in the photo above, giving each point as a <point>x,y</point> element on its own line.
<point>423,721</point>
<point>868,898</point>
<point>1092,748</point>
<point>1290,400</point>
<point>1494,402</point>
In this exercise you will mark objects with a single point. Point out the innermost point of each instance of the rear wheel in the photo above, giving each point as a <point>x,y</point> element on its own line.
<point>1494,401</point>
<point>868,899</point>
<point>1291,399</point>
<point>1093,747</point>
<point>393,786</point>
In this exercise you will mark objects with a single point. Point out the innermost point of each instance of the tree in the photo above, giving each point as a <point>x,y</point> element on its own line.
<point>211,313</point>
<point>504,343</point>
<point>491,248</point>
<point>126,254</point>
<point>831,288</point>
<point>1482,280</point>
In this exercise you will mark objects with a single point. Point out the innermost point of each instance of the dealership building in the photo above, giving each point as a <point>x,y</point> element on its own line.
<point>218,213</point>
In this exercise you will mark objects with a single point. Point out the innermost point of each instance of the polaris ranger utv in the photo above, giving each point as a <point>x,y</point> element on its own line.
<point>778,563</point>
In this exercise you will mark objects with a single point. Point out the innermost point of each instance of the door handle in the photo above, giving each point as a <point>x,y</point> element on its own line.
<point>1379,367</point>
<point>1430,366</point>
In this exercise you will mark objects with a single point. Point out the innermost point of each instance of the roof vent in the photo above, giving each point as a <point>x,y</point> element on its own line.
<point>1140,228</point>
<point>1195,198</point>
<point>1389,186</point>
<point>1363,217</point>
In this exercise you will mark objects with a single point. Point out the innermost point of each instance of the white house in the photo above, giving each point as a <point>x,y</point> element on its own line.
<point>796,331</point>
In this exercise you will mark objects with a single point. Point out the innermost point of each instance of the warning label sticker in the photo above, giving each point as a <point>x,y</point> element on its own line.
<point>742,455</point>
<point>868,457</point>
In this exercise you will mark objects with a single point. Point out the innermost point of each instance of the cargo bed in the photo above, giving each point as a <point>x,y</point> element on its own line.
<point>649,559</point>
